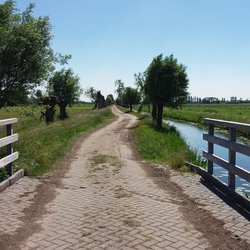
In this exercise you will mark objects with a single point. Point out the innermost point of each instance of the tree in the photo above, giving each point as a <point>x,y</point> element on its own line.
<point>131,96</point>
<point>140,83</point>
<point>50,103</point>
<point>120,90</point>
<point>65,86</point>
<point>26,58</point>
<point>91,93</point>
<point>39,95</point>
<point>100,100</point>
<point>110,99</point>
<point>151,75</point>
<point>166,83</point>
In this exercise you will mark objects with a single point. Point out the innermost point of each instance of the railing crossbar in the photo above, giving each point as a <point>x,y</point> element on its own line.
<point>232,146</point>
<point>7,161</point>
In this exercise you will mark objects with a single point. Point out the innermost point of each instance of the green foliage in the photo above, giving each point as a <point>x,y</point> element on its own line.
<point>126,96</point>
<point>110,100</point>
<point>131,96</point>
<point>197,112</point>
<point>165,146</point>
<point>65,86</point>
<point>120,91</point>
<point>42,146</point>
<point>26,58</point>
<point>91,93</point>
<point>165,84</point>
<point>3,174</point>
<point>166,81</point>
<point>140,83</point>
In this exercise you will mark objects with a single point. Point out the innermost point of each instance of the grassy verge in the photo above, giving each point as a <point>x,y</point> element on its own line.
<point>41,145</point>
<point>163,147</point>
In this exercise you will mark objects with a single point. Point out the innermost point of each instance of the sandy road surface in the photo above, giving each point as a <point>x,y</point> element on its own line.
<point>103,198</point>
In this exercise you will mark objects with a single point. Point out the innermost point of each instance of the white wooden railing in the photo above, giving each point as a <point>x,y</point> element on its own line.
<point>6,162</point>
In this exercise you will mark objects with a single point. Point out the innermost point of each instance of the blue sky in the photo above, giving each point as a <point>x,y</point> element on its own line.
<point>113,39</point>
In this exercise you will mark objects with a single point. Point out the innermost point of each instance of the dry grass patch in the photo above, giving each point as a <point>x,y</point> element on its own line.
<point>104,162</point>
<point>131,222</point>
<point>120,192</point>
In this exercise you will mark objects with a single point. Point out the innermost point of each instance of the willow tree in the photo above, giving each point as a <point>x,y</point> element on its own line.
<point>131,96</point>
<point>65,86</point>
<point>26,57</point>
<point>166,84</point>
<point>119,91</point>
<point>91,93</point>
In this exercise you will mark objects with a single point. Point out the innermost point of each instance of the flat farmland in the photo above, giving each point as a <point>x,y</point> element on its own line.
<point>197,112</point>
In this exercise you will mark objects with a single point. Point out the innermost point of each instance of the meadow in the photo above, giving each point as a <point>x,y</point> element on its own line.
<point>42,146</point>
<point>197,112</point>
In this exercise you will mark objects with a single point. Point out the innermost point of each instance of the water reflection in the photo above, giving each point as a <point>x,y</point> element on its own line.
<point>194,138</point>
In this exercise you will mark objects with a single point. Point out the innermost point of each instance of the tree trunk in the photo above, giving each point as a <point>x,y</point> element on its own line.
<point>154,111</point>
<point>148,108</point>
<point>131,107</point>
<point>63,114</point>
<point>159,115</point>
<point>49,114</point>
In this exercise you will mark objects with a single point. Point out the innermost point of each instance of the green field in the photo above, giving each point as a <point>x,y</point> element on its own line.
<point>197,112</point>
<point>41,146</point>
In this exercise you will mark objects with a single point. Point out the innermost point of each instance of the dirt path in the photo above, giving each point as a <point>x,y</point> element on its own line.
<point>103,198</point>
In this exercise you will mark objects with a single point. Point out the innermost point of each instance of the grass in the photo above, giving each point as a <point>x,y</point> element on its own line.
<point>131,222</point>
<point>102,159</point>
<point>140,115</point>
<point>163,147</point>
<point>40,145</point>
<point>3,174</point>
<point>120,192</point>
<point>100,162</point>
<point>197,112</point>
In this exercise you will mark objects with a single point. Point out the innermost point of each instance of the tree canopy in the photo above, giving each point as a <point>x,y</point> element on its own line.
<point>166,83</point>
<point>120,91</point>
<point>131,96</point>
<point>65,86</point>
<point>110,99</point>
<point>91,93</point>
<point>26,58</point>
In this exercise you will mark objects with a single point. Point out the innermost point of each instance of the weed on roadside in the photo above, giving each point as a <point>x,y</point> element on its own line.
<point>163,147</point>
<point>3,174</point>
<point>102,162</point>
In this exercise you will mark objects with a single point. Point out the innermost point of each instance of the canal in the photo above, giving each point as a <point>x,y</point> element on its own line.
<point>194,138</point>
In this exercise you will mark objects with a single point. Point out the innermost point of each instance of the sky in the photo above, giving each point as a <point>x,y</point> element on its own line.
<point>113,39</point>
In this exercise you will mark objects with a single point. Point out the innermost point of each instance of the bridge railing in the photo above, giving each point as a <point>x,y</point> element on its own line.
<point>232,146</point>
<point>7,141</point>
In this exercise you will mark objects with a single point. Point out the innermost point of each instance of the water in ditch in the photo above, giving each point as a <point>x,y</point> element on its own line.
<point>194,138</point>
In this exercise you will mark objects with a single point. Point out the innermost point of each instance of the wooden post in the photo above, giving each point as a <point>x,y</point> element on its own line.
<point>231,158</point>
<point>9,167</point>
<point>210,164</point>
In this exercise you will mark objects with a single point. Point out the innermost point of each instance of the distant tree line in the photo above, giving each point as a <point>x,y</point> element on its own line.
<point>214,100</point>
